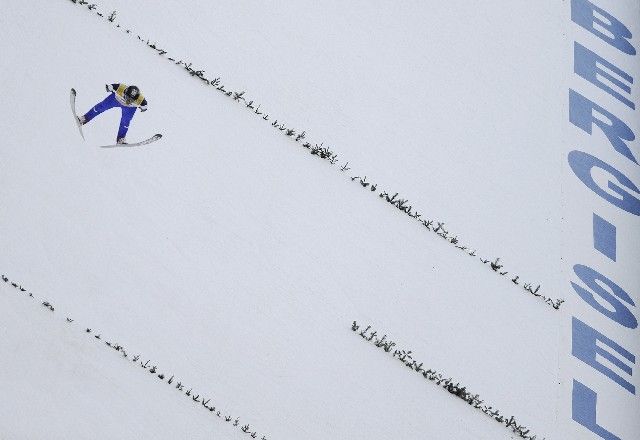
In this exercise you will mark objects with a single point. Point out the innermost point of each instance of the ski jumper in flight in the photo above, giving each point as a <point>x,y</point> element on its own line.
<point>127,98</point>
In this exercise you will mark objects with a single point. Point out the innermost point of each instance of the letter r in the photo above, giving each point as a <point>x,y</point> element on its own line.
<point>584,114</point>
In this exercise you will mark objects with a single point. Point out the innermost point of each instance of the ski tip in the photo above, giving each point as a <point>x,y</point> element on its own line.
<point>73,90</point>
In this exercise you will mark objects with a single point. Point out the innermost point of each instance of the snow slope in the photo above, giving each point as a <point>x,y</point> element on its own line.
<point>230,256</point>
<point>441,102</point>
<point>58,383</point>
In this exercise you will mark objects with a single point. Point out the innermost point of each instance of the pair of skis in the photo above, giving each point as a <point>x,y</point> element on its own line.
<point>153,138</point>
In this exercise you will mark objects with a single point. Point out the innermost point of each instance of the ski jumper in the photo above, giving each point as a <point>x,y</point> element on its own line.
<point>117,99</point>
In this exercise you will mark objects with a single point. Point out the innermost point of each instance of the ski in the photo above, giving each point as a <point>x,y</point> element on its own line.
<point>153,138</point>
<point>73,110</point>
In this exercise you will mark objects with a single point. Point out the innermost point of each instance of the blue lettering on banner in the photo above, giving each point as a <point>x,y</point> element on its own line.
<point>604,237</point>
<point>585,348</point>
<point>584,402</point>
<point>594,280</point>
<point>589,65</point>
<point>582,163</point>
<point>589,345</point>
<point>587,15</point>
<point>581,115</point>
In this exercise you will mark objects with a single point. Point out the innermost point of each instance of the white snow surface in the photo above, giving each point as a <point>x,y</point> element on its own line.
<point>234,259</point>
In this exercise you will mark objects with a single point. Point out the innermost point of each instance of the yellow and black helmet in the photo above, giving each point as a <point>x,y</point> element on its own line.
<point>132,93</point>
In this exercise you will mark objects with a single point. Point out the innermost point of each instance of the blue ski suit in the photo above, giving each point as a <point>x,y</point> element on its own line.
<point>117,99</point>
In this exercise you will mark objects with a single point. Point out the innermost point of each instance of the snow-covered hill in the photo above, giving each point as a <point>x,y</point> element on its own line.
<point>234,260</point>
